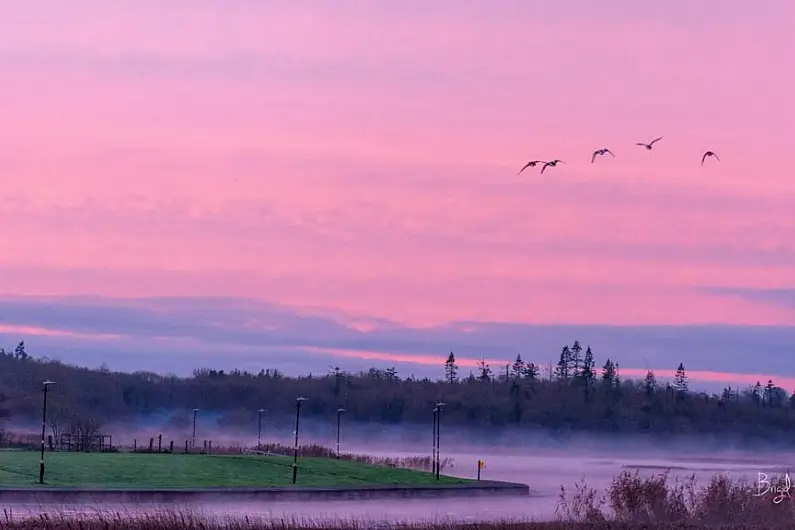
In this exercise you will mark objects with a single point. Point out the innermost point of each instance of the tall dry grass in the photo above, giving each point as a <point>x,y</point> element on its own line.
<point>191,521</point>
<point>651,500</point>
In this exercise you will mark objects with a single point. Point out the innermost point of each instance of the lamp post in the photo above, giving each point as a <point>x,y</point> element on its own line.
<point>439,406</point>
<point>297,421</point>
<point>433,439</point>
<point>339,414</point>
<point>46,385</point>
<point>259,429</point>
<point>193,443</point>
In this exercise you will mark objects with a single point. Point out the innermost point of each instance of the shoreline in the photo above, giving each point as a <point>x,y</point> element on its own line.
<point>78,494</point>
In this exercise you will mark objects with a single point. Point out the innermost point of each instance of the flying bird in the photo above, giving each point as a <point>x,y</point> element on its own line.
<point>552,163</point>
<point>648,145</point>
<point>709,153</point>
<point>601,152</point>
<point>532,163</point>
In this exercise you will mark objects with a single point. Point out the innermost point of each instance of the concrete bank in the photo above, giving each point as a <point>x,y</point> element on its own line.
<point>46,494</point>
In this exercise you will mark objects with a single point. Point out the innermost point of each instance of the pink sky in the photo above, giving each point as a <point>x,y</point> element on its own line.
<point>362,157</point>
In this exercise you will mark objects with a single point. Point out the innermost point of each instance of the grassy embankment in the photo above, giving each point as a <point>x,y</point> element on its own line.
<point>127,470</point>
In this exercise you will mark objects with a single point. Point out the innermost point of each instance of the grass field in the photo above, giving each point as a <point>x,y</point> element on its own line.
<point>119,470</point>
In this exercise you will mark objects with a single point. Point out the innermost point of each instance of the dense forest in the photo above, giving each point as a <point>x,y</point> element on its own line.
<point>576,395</point>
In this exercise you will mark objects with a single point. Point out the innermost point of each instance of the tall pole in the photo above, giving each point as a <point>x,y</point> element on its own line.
<point>259,429</point>
<point>43,430</point>
<point>433,438</point>
<point>194,425</point>
<point>339,414</point>
<point>295,451</point>
<point>438,445</point>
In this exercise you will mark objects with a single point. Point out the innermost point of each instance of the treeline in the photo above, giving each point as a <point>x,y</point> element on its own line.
<point>574,395</point>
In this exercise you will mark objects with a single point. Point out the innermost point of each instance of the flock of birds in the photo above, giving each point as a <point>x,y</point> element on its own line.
<point>605,151</point>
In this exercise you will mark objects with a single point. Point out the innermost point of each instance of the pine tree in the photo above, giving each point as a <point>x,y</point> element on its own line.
<point>609,374</point>
<point>576,358</point>
<point>451,369</point>
<point>650,383</point>
<point>530,371</point>
<point>755,393</point>
<point>768,392</point>
<point>680,380</point>
<point>562,371</point>
<point>19,351</point>
<point>484,371</point>
<point>587,374</point>
<point>518,368</point>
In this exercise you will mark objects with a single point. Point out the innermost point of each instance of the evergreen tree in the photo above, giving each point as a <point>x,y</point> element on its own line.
<point>768,393</point>
<point>587,374</point>
<point>484,370</point>
<point>518,368</point>
<point>680,380</point>
<point>530,371</point>
<point>451,369</point>
<point>576,358</point>
<point>756,392</point>
<point>650,383</point>
<point>562,372</point>
<point>19,351</point>
<point>609,374</point>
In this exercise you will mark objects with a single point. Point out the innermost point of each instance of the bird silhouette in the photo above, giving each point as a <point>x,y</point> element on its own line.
<point>552,163</point>
<point>532,163</point>
<point>601,152</point>
<point>709,153</point>
<point>650,144</point>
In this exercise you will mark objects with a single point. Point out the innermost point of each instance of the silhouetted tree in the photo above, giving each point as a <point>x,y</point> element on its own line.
<point>680,380</point>
<point>451,369</point>
<point>518,368</point>
<point>484,371</point>
<point>530,371</point>
<point>575,359</point>
<point>562,372</point>
<point>19,351</point>
<point>609,374</point>
<point>650,383</point>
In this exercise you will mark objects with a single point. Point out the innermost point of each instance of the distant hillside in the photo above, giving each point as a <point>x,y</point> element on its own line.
<point>576,397</point>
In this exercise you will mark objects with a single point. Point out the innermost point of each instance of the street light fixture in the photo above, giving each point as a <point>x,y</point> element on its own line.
<point>259,429</point>
<point>339,413</point>
<point>297,421</point>
<point>194,426</point>
<point>439,406</point>
<point>46,385</point>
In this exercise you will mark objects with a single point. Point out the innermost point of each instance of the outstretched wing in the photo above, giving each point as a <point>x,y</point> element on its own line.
<point>655,140</point>
<point>593,156</point>
<point>544,167</point>
<point>523,168</point>
<point>716,157</point>
<point>641,144</point>
<point>611,152</point>
<point>704,157</point>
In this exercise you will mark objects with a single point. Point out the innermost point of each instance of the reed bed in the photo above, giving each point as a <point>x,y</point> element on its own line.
<point>191,521</point>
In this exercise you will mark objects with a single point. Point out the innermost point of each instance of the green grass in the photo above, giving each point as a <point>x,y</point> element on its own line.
<point>119,470</point>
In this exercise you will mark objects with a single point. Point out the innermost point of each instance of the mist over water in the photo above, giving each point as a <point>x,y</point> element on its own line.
<point>544,462</point>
